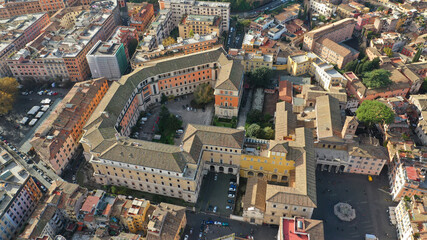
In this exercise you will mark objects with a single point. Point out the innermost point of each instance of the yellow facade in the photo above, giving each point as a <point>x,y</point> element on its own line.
<point>136,215</point>
<point>256,62</point>
<point>273,165</point>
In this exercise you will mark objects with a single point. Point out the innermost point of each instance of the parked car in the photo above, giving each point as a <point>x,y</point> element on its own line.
<point>230,195</point>
<point>229,207</point>
<point>217,223</point>
<point>233,186</point>
<point>231,201</point>
<point>232,189</point>
<point>225,224</point>
<point>216,177</point>
<point>215,209</point>
<point>186,237</point>
<point>200,234</point>
<point>209,223</point>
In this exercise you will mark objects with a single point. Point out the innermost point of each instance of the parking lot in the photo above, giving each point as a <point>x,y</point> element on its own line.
<point>181,107</point>
<point>214,193</point>
<point>241,229</point>
<point>370,200</point>
<point>10,128</point>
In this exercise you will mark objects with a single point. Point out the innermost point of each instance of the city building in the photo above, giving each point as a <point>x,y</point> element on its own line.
<point>159,29</point>
<point>276,32</point>
<point>46,220</point>
<point>198,43</point>
<point>300,228</point>
<point>261,23</point>
<point>107,60</point>
<point>288,14</point>
<point>199,24</point>
<point>322,8</point>
<point>58,138</point>
<point>18,32</point>
<point>180,8</point>
<point>76,30</point>
<point>167,222</point>
<point>20,195</point>
<point>400,86</point>
<point>270,202</point>
<point>124,35</point>
<point>10,9</point>
<point>290,86</point>
<point>178,171</point>
<point>134,215</point>
<point>325,42</point>
<point>344,10</point>
<point>253,60</point>
<point>140,15</point>
<point>411,218</point>
<point>310,63</point>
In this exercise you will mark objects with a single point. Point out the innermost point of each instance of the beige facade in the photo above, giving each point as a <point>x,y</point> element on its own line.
<point>199,24</point>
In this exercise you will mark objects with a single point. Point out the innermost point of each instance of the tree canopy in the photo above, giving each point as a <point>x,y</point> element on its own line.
<point>377,78</point>
<point>388,52</point>
<point>253,130</point>
<point>8,91</point>
<point>372,112</point>
<point>204,94</point>
<point>168,41</point>
<point>260,77</point>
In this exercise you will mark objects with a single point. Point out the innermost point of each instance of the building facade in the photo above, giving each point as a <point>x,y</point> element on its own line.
<point>107,60</point>
<point>58,138</point>
<point>199,24</point>
<point>140,16</point>
<point>179,8</point>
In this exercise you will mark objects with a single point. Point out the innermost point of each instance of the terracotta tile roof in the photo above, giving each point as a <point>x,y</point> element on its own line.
<point>89,204</point>
<point>285,121</point>
<point>333,46</point>
<point>255,194</point>
<point>319,32</point>
<point>328,117</point>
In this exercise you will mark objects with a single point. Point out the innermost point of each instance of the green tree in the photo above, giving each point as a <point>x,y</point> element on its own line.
<point>8,91</point>
<point>377,78</point>
<point>388,51</point>
<point>254,116</point>
<point>268,133</point>
<point>163,99</point>
<point>376,63</point>
<point>260,77</point>
<point>191,33</point>
<point>169,41</point>
<point>351,66</point>
<point>300,14</point>
<point>253,130</point>
<point>424,85</point>
<point>373,112</point>
<point>204,94</point>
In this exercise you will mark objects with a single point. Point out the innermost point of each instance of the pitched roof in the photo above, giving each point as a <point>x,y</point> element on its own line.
<point>370,151</point>
<point>148,154</point>
<point>335,47</point>
<point>89,204</point>
<point>230,76</point>
<point>328,117</point>
<point>302,191</point>
<point>255,193</point>
<point>319,32</point>
<point>215,136</point>
<point>285,121</point>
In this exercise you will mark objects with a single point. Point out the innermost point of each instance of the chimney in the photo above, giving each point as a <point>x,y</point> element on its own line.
<point>105,114</point>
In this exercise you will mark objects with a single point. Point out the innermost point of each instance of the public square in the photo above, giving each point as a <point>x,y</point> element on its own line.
<point>370,200</point>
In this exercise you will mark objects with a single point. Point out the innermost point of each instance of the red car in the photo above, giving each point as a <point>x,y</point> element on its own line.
<point>54,93</point>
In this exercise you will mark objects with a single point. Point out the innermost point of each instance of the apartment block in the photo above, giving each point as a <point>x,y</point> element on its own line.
<point>199,24</point>
<point>324,42</point>
<point>124,35</point>
<point>253,42</point>
<point>411,218</point>
<point>65,58</point>
<point>140,15</point>
<point>180,8</point>
<point>177,172</point>
<point>20,196</point>
<point>300,228</point>
<point>20,31</point>
<point>107,60</point>
<point>160,28</point>
<point>144,55</point>
<point>134,215</point>
<point>58,138</point>
<point>310,63</point>
<point>261,23</point>
<point>167,222</point>
<point>323,8</point>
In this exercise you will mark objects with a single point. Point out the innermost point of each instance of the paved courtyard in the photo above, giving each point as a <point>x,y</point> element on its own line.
<point>176,107</point>
<point>215,193</point>
<point>370,200</point>
<point>241,229</point>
